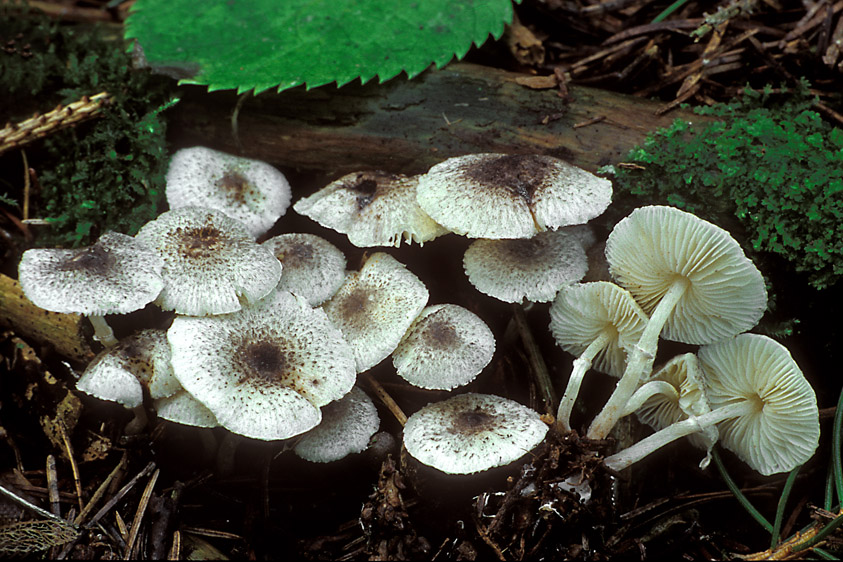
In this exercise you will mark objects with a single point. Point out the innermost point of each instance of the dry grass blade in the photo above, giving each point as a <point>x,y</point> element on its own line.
<point>119,495</point>
<point>136,523</point>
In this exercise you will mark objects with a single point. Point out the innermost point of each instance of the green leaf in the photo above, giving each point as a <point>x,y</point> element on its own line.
<point>261,44</point>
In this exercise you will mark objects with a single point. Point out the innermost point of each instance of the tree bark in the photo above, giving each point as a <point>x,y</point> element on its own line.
<point>408,125</point>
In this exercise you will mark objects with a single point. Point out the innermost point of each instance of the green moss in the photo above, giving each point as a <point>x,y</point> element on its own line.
<point>105,174</point>
<point>771,161</point>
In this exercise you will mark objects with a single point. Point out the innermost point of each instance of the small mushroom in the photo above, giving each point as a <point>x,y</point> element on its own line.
<point>116,275</point>
<point>472,432</point>
<point>445,347</point>
<point>211,262</point>
<point>347,426</point>
<point>691,277</point>
<point>375,307</point>
<point>598,322</point>
<point>510,195</point>
<point>764,409</point>
<point>250,191</point>
<point>265,370</point>
<point>313,267</point>
<point>372,208</point>
<point>532,268</point>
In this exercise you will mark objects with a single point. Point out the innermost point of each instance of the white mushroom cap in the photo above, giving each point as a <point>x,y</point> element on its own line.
<point>660,410</point>
<point>533,269</point>
<point>211,262</point>
<point>265,370</point>
<point>313,267</point>
<point>375,307</point>
<point>183,408</point>
<point>446,346</point>
<point>654,246</point>
<point>373,208</point>
<point>347,426</point>
<point>510,196</point>
<point>782,431</point>
<point>116,275</point>
<point>251,191</point>
<point>581,313</point>
<point>472,432</point>
<point>120,372</point>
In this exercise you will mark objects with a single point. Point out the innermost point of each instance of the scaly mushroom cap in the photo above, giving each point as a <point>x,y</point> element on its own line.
<point>313,267</point>
<point>783,430</point>
<point>250,191</point>
<point>654,246</point>
<point>211,262</point>
<point>445,347</point>
<point>373,208</point>
<point>683,373</point>
<point>265,370</point>
<point>120,372</point>
<point>509,195</point>
<point>582,312</point>
<point>375,307</point>
<point>116,275</point>
<point>346,427</point>
<point>533,268</point>
<point>472,432</point>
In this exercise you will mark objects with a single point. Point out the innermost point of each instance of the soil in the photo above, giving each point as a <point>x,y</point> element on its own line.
<point>185,492</point>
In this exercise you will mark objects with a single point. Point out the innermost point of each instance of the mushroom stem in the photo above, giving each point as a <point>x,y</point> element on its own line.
<point>639,363</point>
<point>543,381</point>
<point>581,365</point>
<point>102,331</point>
<point>647,391</point>
<point>693,424</point>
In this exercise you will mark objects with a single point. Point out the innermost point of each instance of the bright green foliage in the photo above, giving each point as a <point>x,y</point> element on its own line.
<point>262,44</point>
<point>777,166</point>
<point>107,173</point>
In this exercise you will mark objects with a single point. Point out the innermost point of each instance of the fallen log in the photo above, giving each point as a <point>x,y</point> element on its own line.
<point>408,125</point>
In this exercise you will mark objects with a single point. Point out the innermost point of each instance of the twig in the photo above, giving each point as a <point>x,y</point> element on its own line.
<point>119,496</point>
<point>53,486</point>
<point>77,481</point>
<point>543,381</point>
<point>387,400</point>
<point>100,492</point>
<point>133,534</point>
<point>31,506</point>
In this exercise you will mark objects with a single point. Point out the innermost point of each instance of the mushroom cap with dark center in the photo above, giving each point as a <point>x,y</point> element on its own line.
<point>445,347</point>
<point>250,191</point>
<point>510,196</point>
<point>782,432</point>
<point>373,208</point>
<point>265,370</point>
<point>116,275</point>
<point>211,262</point>
<point>375,307</point>
<point>533,269</point>
<point>347,426</point>
<point>313,267</point>
<point>472,432</point>
<point>654,246</point>
<point>119,373</point>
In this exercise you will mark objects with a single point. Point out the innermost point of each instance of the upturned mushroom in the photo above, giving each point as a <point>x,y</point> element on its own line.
<point>599,323</point>
<point>212,263</point>
<point>472,433</point>
<point>445,347</point>
<point>763,407</point>
<point>265,370</point>
<point>116,275</point>
<point>373,208</point>
<point>691,277</point>
<point>534,269</point>
<point>250,191</point>
<point>375,306</point>
<point>510,195</point>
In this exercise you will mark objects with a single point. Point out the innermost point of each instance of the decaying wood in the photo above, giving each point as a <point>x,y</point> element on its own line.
<point>408,125</point>
<point>64,332</point>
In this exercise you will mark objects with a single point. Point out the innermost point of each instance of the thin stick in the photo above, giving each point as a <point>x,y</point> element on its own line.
<point>100,491</point>
<point>26,186</point>
<point>77,481</point>
<point>175,548</point>
<point>536,361</point>
<point>119,495</point>
<point>387,400</point>
<point>144,502</point>
<point>53,486</point>
<point>31,506</point>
